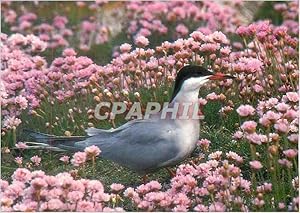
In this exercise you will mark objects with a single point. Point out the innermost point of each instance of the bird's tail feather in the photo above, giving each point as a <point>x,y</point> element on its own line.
<point>53,142</point>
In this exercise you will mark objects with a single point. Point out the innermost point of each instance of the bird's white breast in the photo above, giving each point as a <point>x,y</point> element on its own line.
<point>188,136</point>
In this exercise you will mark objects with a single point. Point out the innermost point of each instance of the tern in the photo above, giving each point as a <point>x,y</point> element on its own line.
<point>145,145</point>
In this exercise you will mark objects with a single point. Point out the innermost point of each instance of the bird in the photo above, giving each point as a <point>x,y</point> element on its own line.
<point>145,145</point>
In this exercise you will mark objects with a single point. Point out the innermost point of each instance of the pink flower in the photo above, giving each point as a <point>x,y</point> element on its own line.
<point>92,151</point>
<point>249,126</point>
<point>219,37</point>
<point>129,192</point>
<point>21,145</point>
<point>201,208</point>
<point>271,103</point>
<point>144,32</point>
<point>293,138</point>
<point>238,135</point>
<point>285,162</point>
<point>204,143</point>
<point>225,51</point>
<point>258,202</point>
<point>95,186</point>
<point>116,187</point>
<point>281,205</point>
<point>202,101</point>
<point>256,165</point>
<point>23,175</point>
<point>290,114</point>
<point>19,160</point>
<point>11,122</point>
<point>101,197</point>
<point>212,96</point>
<point>68,52</point>
<point>65,159</point>
<point>265,121</point>
<point>209,47</point>
<point>17,39</point>
<point>282,107</point>
<point>234,156</point>
<point>79,158</point>
<point>74,196</point>
<point>141,41</point>
<point>290,153</point>
<point>55,204</point>
<point>245,110</point>
<point>36,160</point>
<point>254,138</point>
<point>36,43</point>
<point>85,206</point>
<point>257,88</point>
<point>198,36</point>
<point>3,184</point>
<point>215,155</point>
<point>242,31</point>
<point>182,30</point>
<point>88,26</point>
<point>38,183</point>
<point>125,47</point>
<point>60,21</point>
<point>280,7</point>
<point>272,116</point>
<point>282,125</point>
<point>217,207</point>
<point>10,17</point>
<point>21,101</point>
<point>267,187</point>
<point>38,174</point>
<point>292,96</point>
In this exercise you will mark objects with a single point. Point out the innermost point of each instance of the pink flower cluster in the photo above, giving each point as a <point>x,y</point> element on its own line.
<point>150,18</point>
<point>70,75</point>
<point>79,158</point>
<point>20,75</point>
<point>55,34</point>
<point>193,187</point>
<point>59,33</point>
<point>36,191</point>
<point>282,116</point>
<point>290,12</point>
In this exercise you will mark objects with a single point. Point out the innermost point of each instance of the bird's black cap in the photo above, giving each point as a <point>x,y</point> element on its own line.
<point>187,72</point>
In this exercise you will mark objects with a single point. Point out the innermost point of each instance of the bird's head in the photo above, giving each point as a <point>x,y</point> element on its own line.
<point>191,77</point>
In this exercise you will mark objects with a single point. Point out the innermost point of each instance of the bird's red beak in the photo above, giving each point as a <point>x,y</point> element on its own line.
<point>220,76</point>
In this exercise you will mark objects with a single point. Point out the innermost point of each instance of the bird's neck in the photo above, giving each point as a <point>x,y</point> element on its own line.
<point>186,97</point>
<point>187,102</point>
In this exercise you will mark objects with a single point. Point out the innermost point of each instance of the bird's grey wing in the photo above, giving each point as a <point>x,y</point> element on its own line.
<point>141,146</point>
<point>94,131</point>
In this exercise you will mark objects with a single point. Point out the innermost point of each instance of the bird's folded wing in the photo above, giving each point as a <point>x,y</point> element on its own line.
<point>138,145</point>
<point>95,131</point>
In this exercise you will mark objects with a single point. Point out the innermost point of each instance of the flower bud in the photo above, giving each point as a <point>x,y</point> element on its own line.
<point>273,150</point>
<point>67,133</point>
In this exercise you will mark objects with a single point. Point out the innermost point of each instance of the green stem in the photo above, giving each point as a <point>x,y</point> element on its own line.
<point>14,135</point>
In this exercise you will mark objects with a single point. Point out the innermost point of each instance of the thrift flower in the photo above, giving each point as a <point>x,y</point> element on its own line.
<point>256,165</point>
